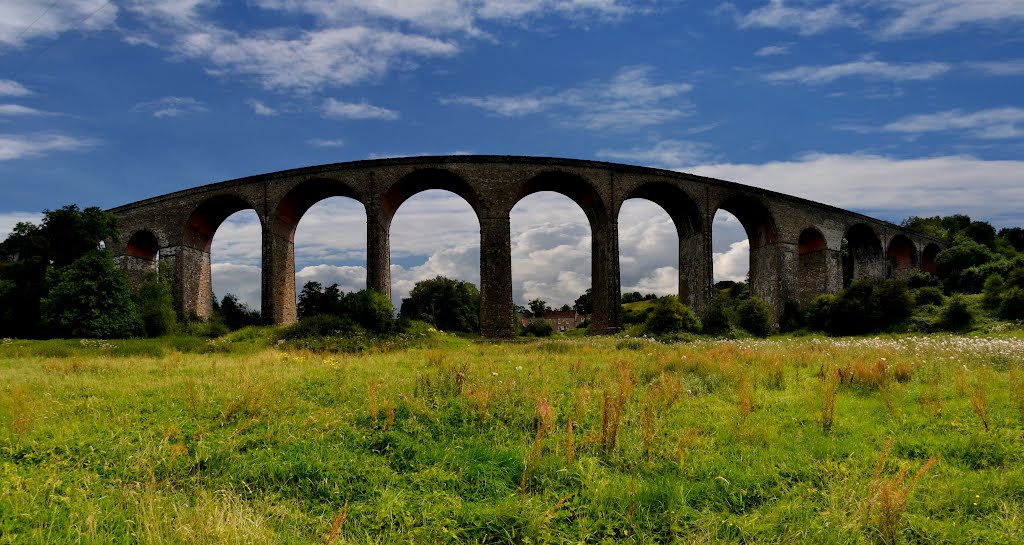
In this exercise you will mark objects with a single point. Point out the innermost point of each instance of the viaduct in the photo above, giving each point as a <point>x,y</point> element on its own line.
<point>798,248</point>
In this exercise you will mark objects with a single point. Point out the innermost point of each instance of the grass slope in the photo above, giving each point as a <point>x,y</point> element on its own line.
<point>565,441</point>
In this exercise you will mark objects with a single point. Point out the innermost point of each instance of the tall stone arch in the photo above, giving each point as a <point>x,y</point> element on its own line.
<point>604,236</point>
<point>901,257</point>
<point>694,259</point>
<point>862,254</point>
<point>766,256</point>
<point>278,291</point>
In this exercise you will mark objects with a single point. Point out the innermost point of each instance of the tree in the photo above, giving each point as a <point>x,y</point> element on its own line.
<point>90,298</point>
<point>156,306</point>
<point>451,305</point>
<point>584,304</point>
<point>237,314</point>
<point>1014,236</point>
<point>982,232</point>
<point>538,327</point>
<point>670,316</point>
<point>31,252</point>
<point>755,316</point>
<point>537,307</point>
<point>370,309</point>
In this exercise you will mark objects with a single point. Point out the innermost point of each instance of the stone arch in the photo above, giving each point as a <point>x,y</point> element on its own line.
<point>928,257</point>
<point>812,268</point>
<point>194,279</point>
<point>689,224</point>
<point>278,290</point>
<point>202,224</point>
<point>604,236</point>
<point>862,254</point>
<point>425,179</point>
<point>143,244</point>
<point>901,257</point>
<point>762,234</point>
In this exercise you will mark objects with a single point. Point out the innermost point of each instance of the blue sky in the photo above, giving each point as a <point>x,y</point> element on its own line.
<point>891,108</point>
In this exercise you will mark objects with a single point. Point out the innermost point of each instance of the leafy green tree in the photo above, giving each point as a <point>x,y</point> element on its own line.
<point>451,305</point>
<point>1014,236</point>
<point>755,316</point>
<point>819,312</point>
<point>965,253</point>
<point>982,232</point>
<point>584,303</point>
<point>668,315</point>
<point>370,309</point>
<point>717,318</point>
<point>156,306</point>
<point>537,307</point>
<point>90,298</point>
<point>793,317</point>
<point>237,314</point>
<point>993,291</point>
<point>71,233</point>
<point>314,300</point>
<point>1012,307</point>
<point>956,316</point>
<point>932,226</point>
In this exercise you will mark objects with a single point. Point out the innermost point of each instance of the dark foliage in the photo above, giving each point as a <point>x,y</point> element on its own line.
<point>538,327</point>
<point>89,298</point>
<point>1012,306</point>
<point>793,317</point>
<point>668,315</point>
<point>156,306</point>
<point>236,314</point>
<point>956,316</point>
<point>584,303</point>
<point>755,316</point>
<point>450,305</point>
<point>928,295</point>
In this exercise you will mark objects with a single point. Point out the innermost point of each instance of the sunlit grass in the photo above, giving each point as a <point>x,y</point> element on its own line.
<point>565,441</point>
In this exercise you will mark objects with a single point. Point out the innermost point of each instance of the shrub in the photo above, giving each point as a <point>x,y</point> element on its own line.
<point>1012,307</point>
<point>993,291</point>
<point>538,327</point>
<point>156,306</point>
<point>793,317</point>
<point>717,317</point>
<point>755,316</point>
<point>668,315</point>
<point>819,312</point>
<point>90,298</point>
<point>371,310</point>
<point>323,325</point>
<point>928,295</point>
<point>956,316</point>
<point>922,280</point>
<point>893,301</point>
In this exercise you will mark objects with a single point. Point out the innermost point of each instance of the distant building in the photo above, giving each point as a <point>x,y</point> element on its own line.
<point>560,320</point>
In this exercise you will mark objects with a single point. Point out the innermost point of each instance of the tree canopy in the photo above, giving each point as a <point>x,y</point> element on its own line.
<point>450,305</point>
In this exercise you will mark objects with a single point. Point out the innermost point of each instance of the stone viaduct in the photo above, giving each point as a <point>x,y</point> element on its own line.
<point>798,248</point>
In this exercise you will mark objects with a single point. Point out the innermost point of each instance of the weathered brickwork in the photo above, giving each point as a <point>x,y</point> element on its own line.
<point>795,244</point>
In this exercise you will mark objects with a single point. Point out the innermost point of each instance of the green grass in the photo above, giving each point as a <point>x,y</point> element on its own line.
<point>454,441</point>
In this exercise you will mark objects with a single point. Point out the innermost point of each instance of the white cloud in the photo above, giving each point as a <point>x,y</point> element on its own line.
<point>664,153</point>
<point>242,281</point>
<point>772,50</point>
<point>19,146</point>
<point>995,123</point>
<point>260,108</point>
<point>24,20</point>
<point>11,88</point>
<point>1000,68</point>
<point>337,109</point>
<point>892,188</point>
<point>14,110</point>
<point>806,20</point>
<point>732,264</point>
<point>326,142</point>
<point>171,107</point>
<point>9,219</point>
<point>936,16</point>
<point>864,68</point>
<point>630,100</point>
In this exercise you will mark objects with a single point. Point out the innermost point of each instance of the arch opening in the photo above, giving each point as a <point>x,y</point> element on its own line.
<point>435,233</point>
<point>235,265</point>
<point>330,245</point>
<point>651,260</point>
<point>428,179</point>
<point>901,257</point>
<point>862,254</point>
<point>812,267</point>
<point>761,263</point>
<point>552,258</point>
<point>143,245</point>
<point>928,257</point>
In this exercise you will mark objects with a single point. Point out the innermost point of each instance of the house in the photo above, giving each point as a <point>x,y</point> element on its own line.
<point>560,320</point>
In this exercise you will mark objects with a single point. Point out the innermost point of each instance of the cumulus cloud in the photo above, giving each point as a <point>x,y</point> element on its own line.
<point>732,264</point>
<point>171,106</point>
<point>889,187</point>
<point>20,146</point>
<point>242,281</point>
<point>25,20</point>
<point>1013,67</point>
<point>914,17</point>
<point>336,109</point>
<point>630,100</point>
<point>863,68</point>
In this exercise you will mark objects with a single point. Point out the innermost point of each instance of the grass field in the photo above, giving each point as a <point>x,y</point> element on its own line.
<point>907,439</point>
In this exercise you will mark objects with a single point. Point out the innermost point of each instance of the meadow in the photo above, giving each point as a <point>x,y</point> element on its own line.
<point>599,440</point>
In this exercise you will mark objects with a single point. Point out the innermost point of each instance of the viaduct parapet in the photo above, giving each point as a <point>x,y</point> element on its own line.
<point>798,248</point>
